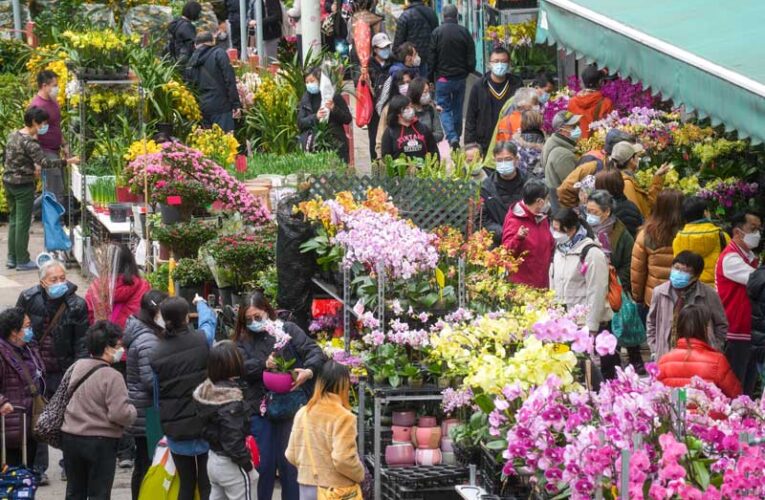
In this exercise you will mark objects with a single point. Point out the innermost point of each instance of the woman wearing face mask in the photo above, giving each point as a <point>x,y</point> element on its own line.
<point>379,64</point>
<point>334,112</point>
<point>19,362</point>
<point>396,85</point>
<point>257,347</point>
<point>626,157</point>
<point>141,336</point>
<point>424,109</point>
<point>96,416</point>
<point>404,136</point>
<point>179,363</point>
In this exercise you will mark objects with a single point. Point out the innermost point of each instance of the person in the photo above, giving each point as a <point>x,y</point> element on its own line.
<point>398,85</point>
<point>323,443</point>
<point>415,26</point>
<point>683,288</point>
<point>272,26</point>
<point>179,364</point>
<point>379,65</point>
<point>527,233</point>
<point>701,235</point>
<point>501,188</point>
<point>334,112</point>
<point>755,290</point>
<point>20,364</point>
<point>525,99</point>
<point>424,109</point>
<point>294,19</point>
<point>403,135</point>
<point>141,335</point>
<point>624,210</point>
<point>530,143</point>
<point>694,357</point>
<point>544,85</point>
<point>579,277</point>
<point>452,59</point>
<point>96,416</point>
<point>226,425</point>
<point>488,97</point>
<point>652,254</point>
<point>558,158</point>
<point>590,103</point>
<point>52,142</point>
<point>24,157</point>
<point>626,158</point>
<point>257,347</point>
<point>600,156</point>
<point>125,297</point>
<point>735,266</point>
<point>59,322</point>
<point>210,72</point>
<point>182,34</point>
<point>407,58</point>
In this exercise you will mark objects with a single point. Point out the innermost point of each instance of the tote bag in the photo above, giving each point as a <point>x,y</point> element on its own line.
<point>627,325</point>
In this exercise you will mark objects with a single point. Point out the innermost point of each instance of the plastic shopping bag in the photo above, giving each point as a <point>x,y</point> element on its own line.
<point>627,325</point>
<point>161,481</point>
<point>364,104</point>
<point>55,236</point>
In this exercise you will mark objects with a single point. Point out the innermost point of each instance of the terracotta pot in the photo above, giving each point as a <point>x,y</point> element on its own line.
<point>402,434</point>
<point>447,425</point>
<point>448,458</point>
<point>447,445</point>
<point>428,457</point>
<point>427,422</point>
<point>399,455</point>
<point>280,383</point>
<point>428,438</point>
<point>404,418</point>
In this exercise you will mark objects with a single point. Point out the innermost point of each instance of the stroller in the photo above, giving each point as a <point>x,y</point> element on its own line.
<point>57,242</point>
<point>17,482</point>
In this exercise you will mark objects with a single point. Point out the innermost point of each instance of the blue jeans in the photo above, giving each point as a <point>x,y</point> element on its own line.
<point>450,95</point>
<point>272,438</point>
<point>224,120</point>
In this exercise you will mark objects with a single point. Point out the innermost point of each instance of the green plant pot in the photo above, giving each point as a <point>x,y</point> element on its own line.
<point>416,382</point>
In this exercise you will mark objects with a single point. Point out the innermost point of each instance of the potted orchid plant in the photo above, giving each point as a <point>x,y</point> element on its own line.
<point>279,379</point>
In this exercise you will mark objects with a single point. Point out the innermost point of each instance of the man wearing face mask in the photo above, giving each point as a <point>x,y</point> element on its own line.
<point>502,188</point>
<point>59,319</point>
<point>683,288</point>
<point>558,158</point>
<point>414,26</point>
<point>734,268</point>
<point>626,157</point>
<point>52,142</point>
<point>379,65</point>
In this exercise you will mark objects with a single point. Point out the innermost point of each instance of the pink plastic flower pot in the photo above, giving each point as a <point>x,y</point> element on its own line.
<point>399,455</point>
<point>447,425</point>
<point>404,418</point>
<point>427,422</point>
<point>428,457</point>
<point>447,445</point>
<point>428,438</point>
<point>402,434</point>
<point>280,383</point>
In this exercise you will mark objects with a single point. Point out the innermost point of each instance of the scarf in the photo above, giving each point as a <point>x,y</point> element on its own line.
<point>602,231</point>
<point>566,247</point>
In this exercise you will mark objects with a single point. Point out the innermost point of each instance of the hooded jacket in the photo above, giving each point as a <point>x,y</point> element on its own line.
<point>14,389</point>
<point>629,214</point>
<point>452,51</point>
<point>181,34</point>
<point>705,239</point>
<point>180,363</point>
<point>536,248</point>
<point>497,195</point>
<point>66,342</point>
<point>139,340</point>
<point>225,420</point>
<point>415,25</point>
<point>658,323</point>
<point>697,359</point>
<point>126,299</point>
<point>644,200</point>
<point>415,140</point>
<point>650,268</point>
<point>592,106</point>
<point>210,72</point>
<point>483,110</point>
<point>558,159</point>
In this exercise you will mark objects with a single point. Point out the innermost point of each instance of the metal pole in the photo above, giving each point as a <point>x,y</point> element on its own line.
<point>310,26</point>
<point>243,29</point>
<point>17,18</point>
<point>347,309</point>
<point>259,32</point>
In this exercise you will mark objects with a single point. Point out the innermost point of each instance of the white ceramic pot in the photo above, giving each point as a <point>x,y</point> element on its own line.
<point>428,457</point>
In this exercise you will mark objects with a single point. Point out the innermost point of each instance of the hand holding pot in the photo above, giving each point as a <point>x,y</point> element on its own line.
<point>270,363</point>
<point>302,375</point>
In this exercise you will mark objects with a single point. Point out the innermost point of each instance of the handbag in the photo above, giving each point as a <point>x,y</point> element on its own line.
<point>284,406</point>
<point>364,104</point>
<point>332,492</point>
<point>38,401</point>
<point>47,429</point>
<point>615,290</point>
<point>162,481</point>
<point>627,325</point>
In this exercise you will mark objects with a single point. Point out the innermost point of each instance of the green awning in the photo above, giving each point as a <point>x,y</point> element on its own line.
<point>705,54</point>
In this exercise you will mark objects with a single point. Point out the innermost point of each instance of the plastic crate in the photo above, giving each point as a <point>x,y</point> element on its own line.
<point>494,483</point>
<point>427,483</point>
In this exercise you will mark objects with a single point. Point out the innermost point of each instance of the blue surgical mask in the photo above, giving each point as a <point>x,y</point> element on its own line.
<point>499,69</point>
<point>679,279</point>
<point>576,134</point>
<point>43,130</point>
<point>543,98</point>
<point>312,88</point>
<point>506,167</point>
<point>29,335</point>
<point>384,54</point>
<point>257,325</point>
<point>58,290</point>
<point>593,220</point>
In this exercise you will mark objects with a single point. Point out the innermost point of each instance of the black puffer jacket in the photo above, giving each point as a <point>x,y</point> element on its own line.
<point>415,25</point>
<point>340,115</point>
<point>139,340</point>
<point>180,363</point>
<point>211,73</point>
<point>66,343</point>
<point>629,214</point>
<point>756,291</point>
<point>497,195</point>
<point>452,51</point>
<point>225,420</point>
<point>256,348</point>
<point>181,35</point>
<point>272,18</point>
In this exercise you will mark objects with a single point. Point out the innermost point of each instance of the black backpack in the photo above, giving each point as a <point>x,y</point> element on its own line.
<point>170,49</point>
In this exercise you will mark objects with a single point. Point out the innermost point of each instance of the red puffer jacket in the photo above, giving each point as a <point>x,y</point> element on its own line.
<point>127,299</point>
<point>536,248</point>
<point>680,365</point>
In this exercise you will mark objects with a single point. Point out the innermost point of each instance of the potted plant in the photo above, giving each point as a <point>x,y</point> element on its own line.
<point>467,438</point>
<point>190,276</point>
<point>179,200</point>
<point>279,379</point>
<point>184,239</point>
<point>239,257</point>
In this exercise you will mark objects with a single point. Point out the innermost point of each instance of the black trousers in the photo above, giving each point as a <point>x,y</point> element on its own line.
<point>140,465</point>
<point>743,364</point>
<point>89,463</point>
<point>15,458</point>
<point>193,474</point>
<point>372,128</point>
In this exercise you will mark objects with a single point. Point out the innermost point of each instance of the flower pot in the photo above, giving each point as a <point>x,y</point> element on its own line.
<point>428,438</point>
<point>428,457</point>
<point>427,422</point>
<point>124,195</point>
<point>164,252</point>
<point>399,455</point>
<point>448,458</point>
<point>415,382</point>
<point>172,215</point>
<point>447,445</point>
<point>380,379</point>
<point>402,434</point>
<point>280,383</point>
<point>405,418</point>
<point>118,212</point>
<point>447,425</point>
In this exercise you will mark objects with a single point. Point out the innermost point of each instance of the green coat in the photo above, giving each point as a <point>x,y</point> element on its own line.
<point>622,243</point>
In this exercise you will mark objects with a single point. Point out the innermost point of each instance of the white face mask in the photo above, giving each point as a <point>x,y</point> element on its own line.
<point>159,321</point>
<point>417,60</point>
<point>560,238</point>
<point>425,99</point>
<point>408,114</point>
<point>117,356</point>
<point>403,88</point>
<point>752,240</point>
<point>53,92</point>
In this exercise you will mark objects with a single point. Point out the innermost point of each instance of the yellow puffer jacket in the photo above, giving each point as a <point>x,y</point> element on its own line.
<point>705,239</point>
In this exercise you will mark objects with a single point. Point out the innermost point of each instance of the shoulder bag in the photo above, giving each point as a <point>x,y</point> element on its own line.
<point>614,293</point>
<point>330,493</point>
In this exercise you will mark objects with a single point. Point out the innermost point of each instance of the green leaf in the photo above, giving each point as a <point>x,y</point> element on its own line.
<point>701,473</point>
<point>497,445</point>
<point>394,380</point>
<point>440,278</point>
<point>485,403</point>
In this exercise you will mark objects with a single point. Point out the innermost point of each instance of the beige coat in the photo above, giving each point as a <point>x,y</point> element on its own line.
<point>331,432</point>
<point>573,288</point>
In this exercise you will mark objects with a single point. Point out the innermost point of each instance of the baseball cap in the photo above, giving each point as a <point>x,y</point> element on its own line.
<point>615,136</point>
<point>381,40</point>
<point>565,118</point>
<point>624,150</point>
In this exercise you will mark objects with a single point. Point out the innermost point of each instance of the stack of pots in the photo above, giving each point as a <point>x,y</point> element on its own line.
<point>427,438</point>
<point>401,452</point>
<point>447,446</point>
<point>425,444</point>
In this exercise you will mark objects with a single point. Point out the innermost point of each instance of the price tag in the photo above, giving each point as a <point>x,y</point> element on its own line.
<point>174,200</point>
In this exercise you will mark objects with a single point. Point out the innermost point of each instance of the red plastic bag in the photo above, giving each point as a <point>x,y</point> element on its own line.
<point>252,446</point>
<point>364,104</point>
